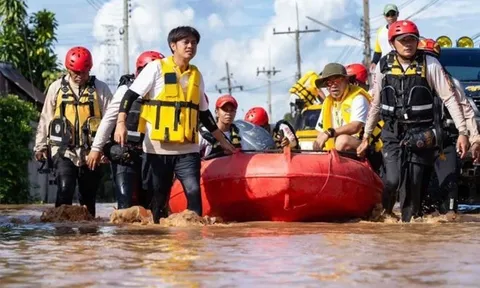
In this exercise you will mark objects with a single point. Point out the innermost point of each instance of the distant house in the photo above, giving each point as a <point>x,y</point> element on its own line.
<point>13,82</point>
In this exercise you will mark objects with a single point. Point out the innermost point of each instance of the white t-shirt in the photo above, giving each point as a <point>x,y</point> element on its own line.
<point>204,144</point>
<point>109,120</point>
<point>148,84</point>
<point>359,112</point>
<point>381,44</point>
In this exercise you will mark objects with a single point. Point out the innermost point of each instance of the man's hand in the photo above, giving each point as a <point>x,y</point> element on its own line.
<point>285,142</point>
<point>462,146</point>
<point>121,133</point>
<point>227,146</point>
<point>476,152</point>
<point>41,155</point>
<point>320,141</point>
<point>362,148</point>
<point>93,159</point>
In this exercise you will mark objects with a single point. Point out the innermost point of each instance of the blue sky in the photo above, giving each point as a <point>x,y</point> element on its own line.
<point>240,31</point>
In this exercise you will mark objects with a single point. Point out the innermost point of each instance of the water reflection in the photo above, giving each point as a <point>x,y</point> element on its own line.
<point>262,254</point>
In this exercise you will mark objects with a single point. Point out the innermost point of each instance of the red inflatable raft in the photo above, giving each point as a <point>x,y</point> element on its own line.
<point>288,186</point>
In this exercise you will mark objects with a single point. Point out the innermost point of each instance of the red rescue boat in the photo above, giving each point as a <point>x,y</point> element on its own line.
<point>288,186</point>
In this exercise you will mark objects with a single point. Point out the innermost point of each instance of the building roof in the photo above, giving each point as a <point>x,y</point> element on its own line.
<point>12,74</point>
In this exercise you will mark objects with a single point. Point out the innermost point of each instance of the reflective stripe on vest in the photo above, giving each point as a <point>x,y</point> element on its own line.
<point>406,95</point>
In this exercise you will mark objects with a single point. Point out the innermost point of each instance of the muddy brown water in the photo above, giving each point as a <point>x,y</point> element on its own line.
<point>257,254</point>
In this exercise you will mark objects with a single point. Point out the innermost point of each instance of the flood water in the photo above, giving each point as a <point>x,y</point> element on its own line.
<point>362,254</point>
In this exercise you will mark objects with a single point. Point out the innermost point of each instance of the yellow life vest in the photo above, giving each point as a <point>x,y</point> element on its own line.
<point>173,115</point>
<point>345,110</point>
<point>76,120</point>
<point>308,95</point>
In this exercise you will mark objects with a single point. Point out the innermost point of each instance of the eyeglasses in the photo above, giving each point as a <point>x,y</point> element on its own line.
<point>391,14</point>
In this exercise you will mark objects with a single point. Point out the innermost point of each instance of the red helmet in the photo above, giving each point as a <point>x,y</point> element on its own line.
<point>147,57</point>
<point>257,116</point>
<point>78,59</point>
<point>360,72</point>
<point>402,27</point>
<point>430,46</point>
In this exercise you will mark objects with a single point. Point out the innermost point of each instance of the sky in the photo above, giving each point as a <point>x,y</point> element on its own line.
<point>241,32</point>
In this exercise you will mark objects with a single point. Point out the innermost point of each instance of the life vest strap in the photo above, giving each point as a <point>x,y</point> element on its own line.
<point>177,104</point>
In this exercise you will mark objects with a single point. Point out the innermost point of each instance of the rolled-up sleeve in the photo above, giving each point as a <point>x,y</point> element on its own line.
<point>374,111</point>
<point>441,82</point>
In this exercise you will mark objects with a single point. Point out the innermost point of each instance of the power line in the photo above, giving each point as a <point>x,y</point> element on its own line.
<point>228,78</point>
<point>297,33</point>
<point>334,29</point>
<point>421,10</point>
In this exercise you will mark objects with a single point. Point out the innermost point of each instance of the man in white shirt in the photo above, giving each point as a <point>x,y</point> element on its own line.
<point>175,100</point>
<point>344,110</point>
<point>382,45</point>
<point>125,161</point>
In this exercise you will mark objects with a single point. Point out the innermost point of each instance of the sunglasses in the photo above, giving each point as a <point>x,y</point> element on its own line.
<point>333,81</point>
<point>391,14</point>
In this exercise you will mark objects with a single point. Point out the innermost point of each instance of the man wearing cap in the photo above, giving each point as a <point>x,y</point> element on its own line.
<point>382,46</point>
<point>225,111</point>
<point>403,97</point>
<point>344,110</point>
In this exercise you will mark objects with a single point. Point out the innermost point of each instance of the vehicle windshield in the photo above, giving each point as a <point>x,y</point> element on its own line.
<point>310,118</point>
<point>463,66</point>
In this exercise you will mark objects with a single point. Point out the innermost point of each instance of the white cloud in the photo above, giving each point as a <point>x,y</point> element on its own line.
<point>214,21</point>
<point>149,24</point>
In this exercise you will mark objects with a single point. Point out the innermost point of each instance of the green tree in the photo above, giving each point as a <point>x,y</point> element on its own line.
<point>15,135</point>
<point>27,41</point>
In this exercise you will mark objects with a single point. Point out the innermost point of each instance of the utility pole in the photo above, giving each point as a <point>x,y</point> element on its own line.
<point>124,33</point>
<point>270,72</point>
<point>110,66</point>
<point>366,33</point>
<point>297,33</point>
<point>229,87</point>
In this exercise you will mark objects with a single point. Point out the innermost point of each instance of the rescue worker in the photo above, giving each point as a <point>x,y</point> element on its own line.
<point>344,111</point>
<point>445,164</point>
<point>360,73</point>
<point>225,111</point>
<point>174,102</point>
<point>72,111</point>
<point>382,45</point>
<point>404,82</point>
<point>125,161</point>
<point>283,133</point>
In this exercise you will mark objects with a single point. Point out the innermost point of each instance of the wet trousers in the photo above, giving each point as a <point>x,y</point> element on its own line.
<point>446,170</point>
<point>128,184</point>
<point>405,171</point>
<point>159,171</point>
<point>67,175</point>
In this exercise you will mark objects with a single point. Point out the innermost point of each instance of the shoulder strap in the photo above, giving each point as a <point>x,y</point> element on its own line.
<point>91,95</point>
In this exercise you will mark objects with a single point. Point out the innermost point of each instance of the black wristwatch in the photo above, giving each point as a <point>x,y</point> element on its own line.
<point>331,132</point>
